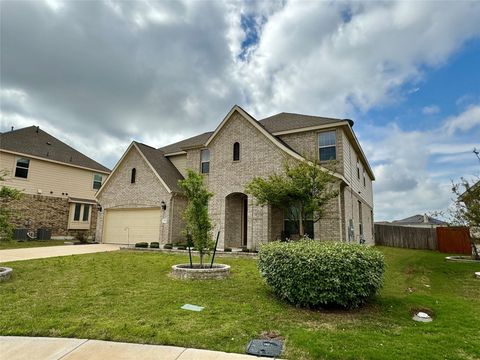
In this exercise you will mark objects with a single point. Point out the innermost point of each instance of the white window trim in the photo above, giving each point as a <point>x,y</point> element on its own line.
<point>93,181</point>
<point>327,146</point>
<point>202,162</point>
<point>82,211</point>
<point>15,168</point>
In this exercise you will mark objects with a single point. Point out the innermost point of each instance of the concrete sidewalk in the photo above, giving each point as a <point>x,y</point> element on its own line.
<point>53,251</point>
<point>27,348</point>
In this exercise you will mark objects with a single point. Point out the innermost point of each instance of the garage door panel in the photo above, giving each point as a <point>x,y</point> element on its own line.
<point>132,226</point>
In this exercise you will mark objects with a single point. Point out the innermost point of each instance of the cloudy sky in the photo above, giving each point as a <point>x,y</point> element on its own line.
<point>100,74</point>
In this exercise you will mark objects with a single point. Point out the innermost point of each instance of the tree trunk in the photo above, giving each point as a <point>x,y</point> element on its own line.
<point>301,228</point>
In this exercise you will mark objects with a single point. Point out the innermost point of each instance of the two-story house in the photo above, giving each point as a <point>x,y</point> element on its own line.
<point>141,199</point>
<point>58,182</point>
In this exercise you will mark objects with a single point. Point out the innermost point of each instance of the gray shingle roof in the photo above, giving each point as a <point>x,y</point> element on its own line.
<point>194,141</point>
<point>164,167</point>
<point>289,121</point>
<point>36,142</point>
<point>280,122</point>
<point>420,219</point>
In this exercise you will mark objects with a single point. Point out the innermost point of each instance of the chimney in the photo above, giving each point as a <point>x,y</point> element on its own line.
<point>425,218</point>
<point>12,129</point>
<point>38,127</point>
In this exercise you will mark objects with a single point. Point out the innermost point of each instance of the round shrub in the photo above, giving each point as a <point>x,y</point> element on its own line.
<point>168,246</point>
<point>227,249</point>
<point>311,274</point>
<point>154,245</point>
<point>141,245</point>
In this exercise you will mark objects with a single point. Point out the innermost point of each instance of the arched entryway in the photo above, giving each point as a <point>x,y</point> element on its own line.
<point>236,210</point>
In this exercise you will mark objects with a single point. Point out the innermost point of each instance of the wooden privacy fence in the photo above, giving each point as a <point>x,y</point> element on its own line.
<point>406,237</point>
<point>454,240</point>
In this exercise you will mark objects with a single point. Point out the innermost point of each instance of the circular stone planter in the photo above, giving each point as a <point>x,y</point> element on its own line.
<point>465,259</point>
<point>184,271</point>
<point>5,273</point>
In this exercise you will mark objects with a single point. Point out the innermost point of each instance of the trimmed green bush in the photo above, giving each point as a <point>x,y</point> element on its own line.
<point>311,274</point>
<point>168,246</point>
<point>154,245</point>
<point>227,249</point>
<point>141,245</point>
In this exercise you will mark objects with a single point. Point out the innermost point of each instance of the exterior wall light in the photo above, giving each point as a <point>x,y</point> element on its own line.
<point>163,205</point>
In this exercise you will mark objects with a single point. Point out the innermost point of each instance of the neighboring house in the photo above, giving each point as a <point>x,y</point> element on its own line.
<point>421,221</point>
<point>141,200</point>
<point>58,182</point>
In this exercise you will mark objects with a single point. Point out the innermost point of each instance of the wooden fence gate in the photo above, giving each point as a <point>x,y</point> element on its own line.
<point>454,240</point>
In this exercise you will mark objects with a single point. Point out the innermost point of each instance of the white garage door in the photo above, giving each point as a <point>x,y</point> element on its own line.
<point>130,226</point>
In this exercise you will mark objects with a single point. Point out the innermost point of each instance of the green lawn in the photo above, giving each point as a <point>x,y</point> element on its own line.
<point>128,296</point>
<point>13,244</point>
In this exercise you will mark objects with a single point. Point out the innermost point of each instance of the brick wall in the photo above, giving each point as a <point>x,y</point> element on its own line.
<point>146,192</point>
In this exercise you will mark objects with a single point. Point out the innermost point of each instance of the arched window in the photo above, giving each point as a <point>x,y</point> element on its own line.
<point>133,176</point>
<point>236,151</point>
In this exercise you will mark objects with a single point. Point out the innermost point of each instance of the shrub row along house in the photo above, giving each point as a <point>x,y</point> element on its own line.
<point>141,199</point>
<point>58,183</point>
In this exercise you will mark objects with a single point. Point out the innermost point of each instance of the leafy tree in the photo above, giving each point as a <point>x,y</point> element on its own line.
<point>198,223</point>
<point>7,194</point>
<point>303,186</point>
<point>466,208</point>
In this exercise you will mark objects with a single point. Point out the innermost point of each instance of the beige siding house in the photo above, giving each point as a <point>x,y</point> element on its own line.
<point>239,149</point>
<point>58,183</point>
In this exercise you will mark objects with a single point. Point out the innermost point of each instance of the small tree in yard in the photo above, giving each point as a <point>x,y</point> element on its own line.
<point>7,194</point>
<point>198,224</point>
<point>304,186</point>
<point>466,208</point>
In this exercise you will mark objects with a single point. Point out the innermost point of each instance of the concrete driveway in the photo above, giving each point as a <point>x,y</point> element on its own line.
<point>40,348</point>
<point>53,251</point>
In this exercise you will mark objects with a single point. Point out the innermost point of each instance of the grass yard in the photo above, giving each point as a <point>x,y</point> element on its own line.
<point>126,296</point>
<point>14,244</point>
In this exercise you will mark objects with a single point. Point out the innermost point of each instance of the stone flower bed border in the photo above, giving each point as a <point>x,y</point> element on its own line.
<point>173,251</point>
<point>185,272</point>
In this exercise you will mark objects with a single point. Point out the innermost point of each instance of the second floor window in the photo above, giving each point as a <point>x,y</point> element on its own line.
<point>327,145</point>
<point>358,169</point>
<point>236,151</point>
<point>364,179</point>
<point>133,176</point>
<point>205,161</point>
<point>21,168</point>
<point>97,181</point>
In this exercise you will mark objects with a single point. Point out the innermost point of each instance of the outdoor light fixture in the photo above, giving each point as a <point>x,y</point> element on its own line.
<point>163,205</point>
<point>99,207</point>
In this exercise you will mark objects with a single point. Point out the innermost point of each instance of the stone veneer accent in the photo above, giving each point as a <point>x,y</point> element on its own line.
<point>46,212</point>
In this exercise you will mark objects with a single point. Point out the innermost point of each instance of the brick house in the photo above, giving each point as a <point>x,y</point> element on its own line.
<point>141,200</point>
<point>58,183</point>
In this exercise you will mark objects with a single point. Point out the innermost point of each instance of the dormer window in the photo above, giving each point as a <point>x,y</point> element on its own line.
<point>236,151</point>
<point>327,144</point>
<point>205,161</point>
<point>133,176</point>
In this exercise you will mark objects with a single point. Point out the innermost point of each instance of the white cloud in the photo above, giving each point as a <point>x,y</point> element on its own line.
<point>467,120</point>
<point>430,110</point>
<point>324,64</point>
<point>414,169</point>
